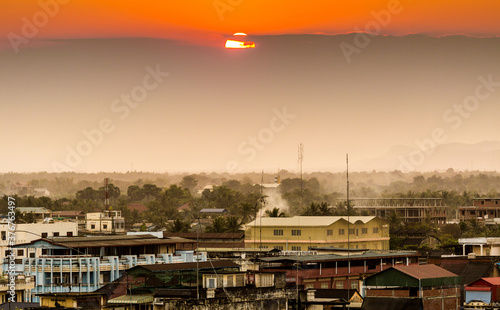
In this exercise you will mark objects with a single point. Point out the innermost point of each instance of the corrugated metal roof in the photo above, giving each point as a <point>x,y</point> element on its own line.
<point>414,276</point>
<point>425,271</point>
<point>307,220</point>
<point>335,257</point>
<point>132,299</point>
<point>201,236</point>
<point>188,266</point>
<point>492,280</point>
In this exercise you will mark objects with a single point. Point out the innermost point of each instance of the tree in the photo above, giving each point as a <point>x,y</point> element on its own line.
<point>88,194</point>
<point>275,212</point>
<point>233,224</point>
<point>178,226</point>
<point>189,182</point>
<point>218,226</point>
<point>151,191</point>
<point>135,193</point>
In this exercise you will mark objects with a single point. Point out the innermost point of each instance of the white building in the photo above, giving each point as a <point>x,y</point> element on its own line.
<point>105,222</point>
<point>26,233</point>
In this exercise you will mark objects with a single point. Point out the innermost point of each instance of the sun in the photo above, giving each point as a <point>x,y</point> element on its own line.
<point>233,44</point>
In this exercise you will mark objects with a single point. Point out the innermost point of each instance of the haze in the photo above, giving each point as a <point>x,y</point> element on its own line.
<point>129,92</point>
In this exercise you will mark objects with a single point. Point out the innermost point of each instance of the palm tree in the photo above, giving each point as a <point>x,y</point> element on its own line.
<point>177,226</point>
<point>218,226</point>
<point>275,213</point>
<point>233,224</point>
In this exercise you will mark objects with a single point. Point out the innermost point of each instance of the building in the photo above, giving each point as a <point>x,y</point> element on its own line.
<point>299,233</point>
<point>486,290</point>
<point>480,246</point>
<point>483,209</point>
<point>216,284</point>
<point>427,287</point>
<point>39,214</point>
<point>26,233</point>
<point>409,210</point>
<point>105,222</point>
<point>84,264</point>
<point>334,271</point>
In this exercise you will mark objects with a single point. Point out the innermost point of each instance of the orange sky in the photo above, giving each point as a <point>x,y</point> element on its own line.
<point>194,19</point>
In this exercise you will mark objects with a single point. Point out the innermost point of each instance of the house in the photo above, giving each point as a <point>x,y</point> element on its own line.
<point>426,287</point>
<point>39,214</point>
<point>486,290</point>
<point>109,221</point>
<point>299,233</point>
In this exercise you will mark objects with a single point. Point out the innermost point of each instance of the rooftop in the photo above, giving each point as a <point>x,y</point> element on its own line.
<point>307,220</point>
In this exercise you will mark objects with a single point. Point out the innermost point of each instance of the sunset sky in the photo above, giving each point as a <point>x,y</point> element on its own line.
<point>68,67</point>
<point>203,21</point>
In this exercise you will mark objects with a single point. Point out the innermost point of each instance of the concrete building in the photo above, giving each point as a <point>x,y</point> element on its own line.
<point>427,287</point>
<point>26,233</point>
<point>299,233</point>
<point>480,246</point>
<point>412,210</point>
<point>482,209</point>
<point>105,222</point>
<point>84,264</point>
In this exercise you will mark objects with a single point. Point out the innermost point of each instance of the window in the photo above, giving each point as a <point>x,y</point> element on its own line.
<point>56,234</point>
<point>364,231</point>
<point>7,252</point>
<point>32,255</point>
<point>105,226</point>
<point>69,234</point>
<point>44,251</point>
<point>341,231</point>
<point>329,232</point>
<point>375,230</point>
<point>278,247</point>
<point>278,232</point>
<point>324,285</point>
<point>296,248</point>
<point>296,232</point>
<point>309,286</point>
<point>413,292</point>
<point>339,285</point>
<point>354,285</point>
<point>20,252</point>
<point>352,231</point>
<point>92,226</point>
<point>4,235</point>
<point>44,235</point>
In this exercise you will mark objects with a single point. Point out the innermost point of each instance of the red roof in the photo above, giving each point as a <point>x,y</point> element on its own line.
<point>478,288</point>
<point>493,280</point>
<point>137,206</point>
<point>425,271</point>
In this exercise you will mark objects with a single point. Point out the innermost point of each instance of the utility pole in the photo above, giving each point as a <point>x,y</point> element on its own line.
<point>348,231</point>
<point>300,159</point>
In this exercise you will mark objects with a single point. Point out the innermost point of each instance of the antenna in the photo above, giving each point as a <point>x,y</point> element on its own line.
<point>106,194</point>
<point>300,159</point>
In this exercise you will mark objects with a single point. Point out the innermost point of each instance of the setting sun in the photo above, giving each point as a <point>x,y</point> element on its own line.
<point>239,44</point>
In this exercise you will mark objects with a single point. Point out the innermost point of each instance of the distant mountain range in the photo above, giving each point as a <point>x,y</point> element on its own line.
<point>459,156</point>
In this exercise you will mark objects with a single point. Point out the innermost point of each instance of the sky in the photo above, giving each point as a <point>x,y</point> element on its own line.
<point>147,85</point>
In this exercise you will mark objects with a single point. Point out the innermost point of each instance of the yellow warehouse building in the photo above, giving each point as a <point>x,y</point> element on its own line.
<point>299,233</point>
